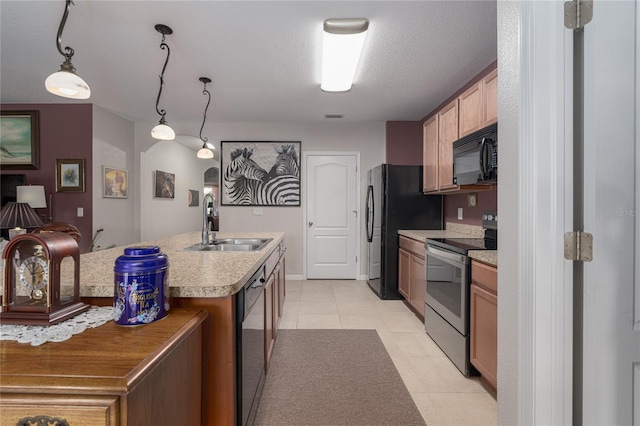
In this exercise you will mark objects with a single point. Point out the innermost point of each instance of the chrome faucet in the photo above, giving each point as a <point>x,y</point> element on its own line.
<point>208,236</point>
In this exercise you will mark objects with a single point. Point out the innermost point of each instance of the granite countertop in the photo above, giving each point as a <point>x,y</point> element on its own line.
<point>490,257</point>
<point>191,274</point>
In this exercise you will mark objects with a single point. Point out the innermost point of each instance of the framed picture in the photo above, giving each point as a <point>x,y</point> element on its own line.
<point>165,184</point>
<point>70,175</point>
<point>260,173</point>
<point>194,197</point>
<point>19,140</point>
<point>115,183</point>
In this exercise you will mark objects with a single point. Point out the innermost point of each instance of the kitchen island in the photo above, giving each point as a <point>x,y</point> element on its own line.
<point>205,280</point>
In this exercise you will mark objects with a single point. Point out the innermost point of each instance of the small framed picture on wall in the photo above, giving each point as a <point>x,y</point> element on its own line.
<point>70,175</point>
<point>115,183</point>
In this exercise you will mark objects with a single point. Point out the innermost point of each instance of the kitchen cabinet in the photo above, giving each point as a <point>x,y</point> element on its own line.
<point>411,273</point>
<point>274,297</point>
<point>430,155</point>
<point>479,105</point>
<point>109,375</point>
<point>474,109</point>
<point>484,321</point>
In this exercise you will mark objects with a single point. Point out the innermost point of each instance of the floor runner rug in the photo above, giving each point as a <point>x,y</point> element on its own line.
<point>331,378</point>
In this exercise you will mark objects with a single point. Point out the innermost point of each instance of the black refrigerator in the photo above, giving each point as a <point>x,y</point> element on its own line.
<point>394,201</point>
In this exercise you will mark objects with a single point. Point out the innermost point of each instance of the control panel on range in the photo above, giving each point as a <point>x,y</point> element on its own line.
<point>490,220</point>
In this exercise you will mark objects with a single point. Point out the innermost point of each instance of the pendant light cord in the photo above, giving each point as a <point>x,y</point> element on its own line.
<point>162,112</point>
<point>205,92</point>
<point>68,51</point>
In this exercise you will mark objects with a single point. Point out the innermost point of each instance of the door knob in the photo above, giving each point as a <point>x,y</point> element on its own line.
<point>310,224</point>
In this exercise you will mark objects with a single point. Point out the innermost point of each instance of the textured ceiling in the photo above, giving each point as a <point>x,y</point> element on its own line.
<point>263,56</point>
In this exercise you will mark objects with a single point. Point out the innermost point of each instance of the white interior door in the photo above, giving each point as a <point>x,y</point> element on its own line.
<point>332,216</point>
<point>611,349</point>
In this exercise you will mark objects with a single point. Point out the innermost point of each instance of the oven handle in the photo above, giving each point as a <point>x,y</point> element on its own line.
<point>447,255</point>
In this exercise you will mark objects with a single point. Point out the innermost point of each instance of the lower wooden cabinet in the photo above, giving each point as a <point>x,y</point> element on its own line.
<point>411,273</point>
<point>484,321</point>
<point>274,296</point>
<point>108,375</point>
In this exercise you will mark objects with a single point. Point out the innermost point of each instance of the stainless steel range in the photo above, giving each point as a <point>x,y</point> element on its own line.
<point>448,275</point>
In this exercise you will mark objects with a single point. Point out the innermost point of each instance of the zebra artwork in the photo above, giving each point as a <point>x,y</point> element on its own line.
<point>247,182</point>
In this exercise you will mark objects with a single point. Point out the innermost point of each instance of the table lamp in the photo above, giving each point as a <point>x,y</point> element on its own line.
<point>17,217</point>
<point>34,195</point>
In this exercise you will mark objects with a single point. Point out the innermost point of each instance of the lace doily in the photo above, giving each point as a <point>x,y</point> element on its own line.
<point>39,334</point>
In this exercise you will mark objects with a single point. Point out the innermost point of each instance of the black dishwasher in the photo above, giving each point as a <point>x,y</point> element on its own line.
<point>250,347</point>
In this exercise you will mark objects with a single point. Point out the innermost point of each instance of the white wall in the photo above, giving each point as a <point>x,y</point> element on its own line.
<point>113,145</point>
<point>165,217</point>
<point>162,217</point>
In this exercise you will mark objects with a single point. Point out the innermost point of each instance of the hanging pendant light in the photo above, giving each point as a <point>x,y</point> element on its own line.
<point>66,82</point>
<point>162,131</point>
<point>205,151</point>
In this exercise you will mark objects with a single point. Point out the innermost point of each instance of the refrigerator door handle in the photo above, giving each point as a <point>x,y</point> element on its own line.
<point>369,219</point>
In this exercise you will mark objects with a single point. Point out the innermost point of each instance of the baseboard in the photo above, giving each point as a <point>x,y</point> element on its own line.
<point>295,277</point>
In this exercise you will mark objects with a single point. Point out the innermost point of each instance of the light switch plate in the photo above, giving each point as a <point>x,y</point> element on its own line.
<point>459,213</point>
<point>80,212</point>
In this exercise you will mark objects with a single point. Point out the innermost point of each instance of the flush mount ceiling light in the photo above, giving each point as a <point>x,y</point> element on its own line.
<point>162,131</point>
<point>205,151</point>
<point>66,82</point>
<point>342,42</point>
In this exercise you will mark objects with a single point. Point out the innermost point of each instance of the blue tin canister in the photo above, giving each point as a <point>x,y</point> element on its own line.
<point>141,293</point>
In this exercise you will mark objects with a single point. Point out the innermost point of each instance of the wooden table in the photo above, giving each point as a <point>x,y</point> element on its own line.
<point>109,375</point>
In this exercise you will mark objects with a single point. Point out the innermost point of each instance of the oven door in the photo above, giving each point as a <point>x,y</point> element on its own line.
<point>447,276</point>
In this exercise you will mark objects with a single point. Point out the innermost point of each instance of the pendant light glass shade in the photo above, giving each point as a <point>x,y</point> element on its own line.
<point>205,152</point>
<point>66,82</point>
<point>67,85</point>
<point>162,131</point>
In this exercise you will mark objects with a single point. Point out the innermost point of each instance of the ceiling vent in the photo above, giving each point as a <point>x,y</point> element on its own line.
<point>334,116</point>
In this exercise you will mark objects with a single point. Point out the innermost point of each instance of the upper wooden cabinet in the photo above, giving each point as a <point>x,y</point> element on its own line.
<point>479,105</point>
<point>430,155</point>
<point>490,104</point>
<point>475,109</point>
<point>471,110</point>
<point>447,135</point>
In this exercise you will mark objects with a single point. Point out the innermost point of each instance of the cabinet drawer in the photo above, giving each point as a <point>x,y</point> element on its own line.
<point>76,409</point>
<point>414,246</point>
<point>485,276</point>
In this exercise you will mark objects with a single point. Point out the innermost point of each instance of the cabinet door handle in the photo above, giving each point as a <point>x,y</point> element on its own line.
<point>310,224</point>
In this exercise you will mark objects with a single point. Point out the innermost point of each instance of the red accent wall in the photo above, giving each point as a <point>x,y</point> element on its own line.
<point>486,201</point>
<point>403,142</point>
<point>66,131</point>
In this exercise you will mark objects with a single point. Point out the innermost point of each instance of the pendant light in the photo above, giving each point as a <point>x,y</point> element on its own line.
<point>205,151</point>
<point>66,82</point>
<point>162,131</point>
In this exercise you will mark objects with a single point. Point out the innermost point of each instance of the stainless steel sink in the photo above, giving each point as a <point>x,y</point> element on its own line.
<point>232,244</point>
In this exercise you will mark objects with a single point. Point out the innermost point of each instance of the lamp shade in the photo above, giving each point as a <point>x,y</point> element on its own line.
<point>205,153</point>
<point>67,85</point>
<point>19,215</point>
<point>32,194</point>
<point>163,132</point>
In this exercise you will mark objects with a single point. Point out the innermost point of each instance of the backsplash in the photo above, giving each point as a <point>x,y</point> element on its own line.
<point>485,201</point>
<point>472,231</point>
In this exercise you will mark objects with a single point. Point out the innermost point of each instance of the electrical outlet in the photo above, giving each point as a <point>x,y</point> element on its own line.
<point>258,211</point>
<point>459,213</point>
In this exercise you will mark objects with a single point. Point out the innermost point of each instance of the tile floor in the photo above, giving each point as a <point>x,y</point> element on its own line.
<point>442,394</point>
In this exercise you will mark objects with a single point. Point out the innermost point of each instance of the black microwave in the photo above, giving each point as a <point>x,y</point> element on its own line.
<point>475,157</point>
